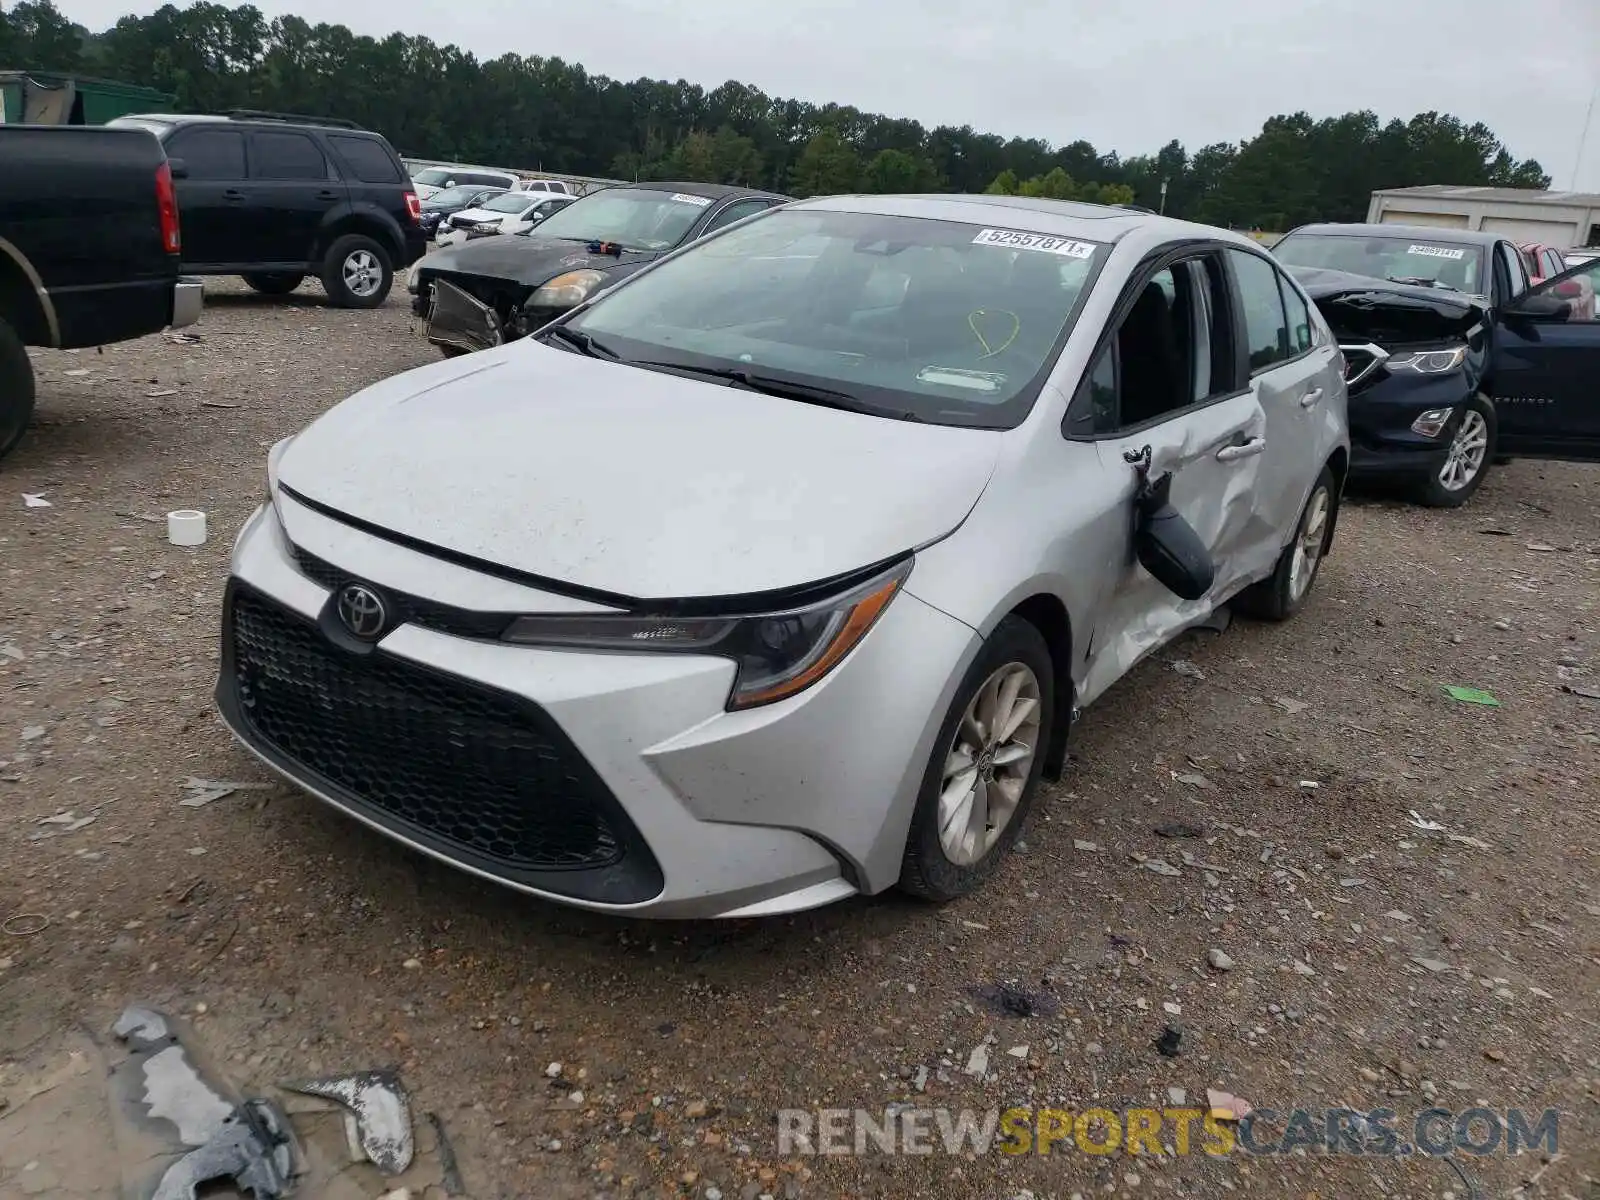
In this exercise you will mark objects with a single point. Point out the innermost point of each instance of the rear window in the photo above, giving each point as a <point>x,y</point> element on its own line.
<point>368,158</point>
<point>286,156</point>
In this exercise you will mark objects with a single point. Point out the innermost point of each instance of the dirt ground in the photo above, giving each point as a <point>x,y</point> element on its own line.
<point>1257,792</point>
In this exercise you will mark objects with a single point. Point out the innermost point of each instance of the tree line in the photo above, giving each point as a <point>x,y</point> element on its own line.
<point>524,111</point>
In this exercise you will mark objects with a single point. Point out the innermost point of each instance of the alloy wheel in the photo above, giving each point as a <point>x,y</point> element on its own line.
<point>1464,460</point>
<point>362,273</point>
<point>988,764</point>
<point>1308,544</point>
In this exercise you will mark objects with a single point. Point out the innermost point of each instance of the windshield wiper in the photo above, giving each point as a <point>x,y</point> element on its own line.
<point>1420,281</point>
<point>769,385</point>
<point>580,341</point>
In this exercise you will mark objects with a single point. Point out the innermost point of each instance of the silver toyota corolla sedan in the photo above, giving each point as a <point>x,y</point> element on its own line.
<point>780,572</point>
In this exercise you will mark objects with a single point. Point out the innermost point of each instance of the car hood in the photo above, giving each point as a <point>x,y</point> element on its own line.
<point>526,260</point>
<point>631,482</point>
<point>1376,310</point>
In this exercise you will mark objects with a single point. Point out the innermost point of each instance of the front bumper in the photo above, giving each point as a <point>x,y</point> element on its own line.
<point>1383,446</point>
<point>704,813</point>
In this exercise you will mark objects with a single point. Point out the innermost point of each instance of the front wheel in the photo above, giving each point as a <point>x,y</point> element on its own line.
<point>1283,593</point>
<point>984,772</point>
<point>16,389</point>
<point>1466,460</point>
<point>274,283</point>
<point>357,272</point>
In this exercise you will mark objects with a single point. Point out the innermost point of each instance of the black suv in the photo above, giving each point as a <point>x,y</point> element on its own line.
<point>275,197</point>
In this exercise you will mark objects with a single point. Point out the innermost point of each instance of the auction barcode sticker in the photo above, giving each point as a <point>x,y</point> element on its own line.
<point>1016,240</point>
<point>685,198</point>
<point>1437,251</point>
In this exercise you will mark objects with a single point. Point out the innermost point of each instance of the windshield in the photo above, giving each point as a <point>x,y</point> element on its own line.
<point>1430,262</point>
<point>455,195</point>
<point>510,202</point>
<point>945,322</point>
<point>638,218</point>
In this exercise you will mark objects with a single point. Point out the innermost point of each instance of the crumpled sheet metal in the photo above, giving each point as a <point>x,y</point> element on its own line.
<point>248,1141</point>
<point>462,321</point>
<point>382,1111</point>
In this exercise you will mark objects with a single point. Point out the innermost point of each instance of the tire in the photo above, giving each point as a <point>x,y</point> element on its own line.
<point>928,870</point>
<point>1433,492</point>
<point>273,283</point>
<point>357,272</point>
<point>1283,593</point>
<point>16,389</point>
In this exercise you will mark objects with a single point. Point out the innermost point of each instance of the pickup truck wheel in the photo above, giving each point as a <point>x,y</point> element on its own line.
<point>16,389</point>
<point>357,272</point>
<point>274,283</point>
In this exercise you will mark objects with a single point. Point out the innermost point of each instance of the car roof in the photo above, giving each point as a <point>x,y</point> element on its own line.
<point>1435,233</point>
<point>264,122</point>
<point>710,191</point>
<point>1030,214</point>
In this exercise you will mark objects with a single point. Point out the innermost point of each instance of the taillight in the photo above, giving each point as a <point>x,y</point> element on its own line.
<point>167,205</point>
<point>414,206</point>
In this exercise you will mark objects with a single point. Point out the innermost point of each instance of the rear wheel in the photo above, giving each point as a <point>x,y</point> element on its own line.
<point>16,389</point>
<point>274,283</point>
<point>357,272</point>
<point>981,781</point>
<point>1283,593</point>
<point>1466,459</point>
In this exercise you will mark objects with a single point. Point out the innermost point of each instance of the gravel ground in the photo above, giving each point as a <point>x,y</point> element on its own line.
<point>1373,963</point>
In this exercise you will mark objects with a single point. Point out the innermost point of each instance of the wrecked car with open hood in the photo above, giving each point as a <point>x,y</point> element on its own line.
<point>1453,359</point>
<point>864,499</point>
<point>486,291</point>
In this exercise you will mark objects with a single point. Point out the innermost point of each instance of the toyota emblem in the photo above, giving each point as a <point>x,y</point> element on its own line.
<point>362,611</point>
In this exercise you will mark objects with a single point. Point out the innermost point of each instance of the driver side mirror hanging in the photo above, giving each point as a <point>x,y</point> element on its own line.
<point>1167,545</point>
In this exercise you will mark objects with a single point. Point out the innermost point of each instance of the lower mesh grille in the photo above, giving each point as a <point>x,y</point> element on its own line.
<point>479,775</point>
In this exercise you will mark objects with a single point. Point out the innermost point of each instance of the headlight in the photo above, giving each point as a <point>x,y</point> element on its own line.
<point>778,654</point>
<point>1428,362</point>
<point>1432,422</point>
<point>566,291</point>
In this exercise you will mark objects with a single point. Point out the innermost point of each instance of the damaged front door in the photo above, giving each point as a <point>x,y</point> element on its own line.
<point>1167,394</point>
<point>460,321</point>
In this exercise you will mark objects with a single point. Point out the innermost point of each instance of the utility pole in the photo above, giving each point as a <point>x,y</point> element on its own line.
<point>1163,197</point>
<point>1583,138</point>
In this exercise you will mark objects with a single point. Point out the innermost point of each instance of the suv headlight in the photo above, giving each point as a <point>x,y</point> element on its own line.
<point>1428,362</point>
<point>778,654</point>
<point>566,291</point>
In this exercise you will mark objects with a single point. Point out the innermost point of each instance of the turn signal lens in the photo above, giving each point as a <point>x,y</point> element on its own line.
<point>1432,422</point>
<point>778,654</point>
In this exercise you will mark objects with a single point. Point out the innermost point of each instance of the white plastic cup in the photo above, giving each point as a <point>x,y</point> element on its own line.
<point>186,527</point>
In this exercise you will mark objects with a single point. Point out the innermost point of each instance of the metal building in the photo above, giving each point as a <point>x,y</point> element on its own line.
<point>1559,219</point>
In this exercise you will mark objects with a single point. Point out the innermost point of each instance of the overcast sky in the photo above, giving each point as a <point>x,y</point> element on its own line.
<point>1125,76</point>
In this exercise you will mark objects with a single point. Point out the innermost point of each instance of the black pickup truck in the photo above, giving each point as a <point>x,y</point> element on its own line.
<point>89,249</point>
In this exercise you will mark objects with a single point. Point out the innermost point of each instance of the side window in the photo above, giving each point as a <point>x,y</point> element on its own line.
<point>1302,336</point>
<point>368,159</point>
<point>1266,328</point>
<point>734,212</point>
<point>1577,292</point>
<point>210,153</point>
<point>286,156</point>
<point>1516,275</point>
<point>1169,352</point>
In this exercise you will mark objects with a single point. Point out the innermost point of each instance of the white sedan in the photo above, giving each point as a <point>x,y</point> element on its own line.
<point>509,212</point>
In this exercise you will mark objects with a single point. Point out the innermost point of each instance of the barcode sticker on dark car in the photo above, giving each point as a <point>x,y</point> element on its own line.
<point>1437,251</point>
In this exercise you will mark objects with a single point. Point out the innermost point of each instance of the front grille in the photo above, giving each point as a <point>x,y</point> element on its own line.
<point>461,622</point>
<point>483,777</point>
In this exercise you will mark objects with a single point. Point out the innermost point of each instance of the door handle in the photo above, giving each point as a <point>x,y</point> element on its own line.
<point>326,194</point>
<point>1234,451</point>
<point>232,194</point>
<point>1309,400</point>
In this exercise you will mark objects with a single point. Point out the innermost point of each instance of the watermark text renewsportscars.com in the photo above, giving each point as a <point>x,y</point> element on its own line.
<point>1381,1132</point>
